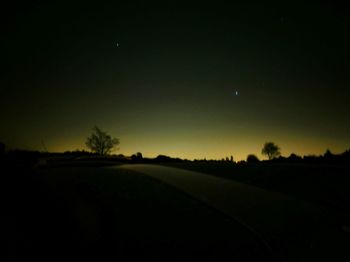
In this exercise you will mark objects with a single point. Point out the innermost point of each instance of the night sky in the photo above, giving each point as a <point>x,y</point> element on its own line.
<point>184,80</point>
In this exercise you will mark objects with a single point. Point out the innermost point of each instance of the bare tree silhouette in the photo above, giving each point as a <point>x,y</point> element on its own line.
<point>100,142</point>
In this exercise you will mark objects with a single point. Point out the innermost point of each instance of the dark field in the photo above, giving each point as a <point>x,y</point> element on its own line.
<point>96,214</point>
<point>322,184</point>
<point>85,211</point>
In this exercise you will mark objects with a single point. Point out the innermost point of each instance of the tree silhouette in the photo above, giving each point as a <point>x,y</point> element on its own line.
<point>137,156</point>
<point>271,150</point>
<point>328,154</point>
<point>100,142</point>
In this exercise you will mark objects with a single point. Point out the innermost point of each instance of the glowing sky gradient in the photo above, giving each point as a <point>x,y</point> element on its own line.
<point>169,87</point>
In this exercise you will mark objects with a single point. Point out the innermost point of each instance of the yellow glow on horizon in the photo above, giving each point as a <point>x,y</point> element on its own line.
<point>191,147</point>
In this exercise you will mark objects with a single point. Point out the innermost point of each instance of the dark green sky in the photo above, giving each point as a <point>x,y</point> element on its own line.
<point>169,88</point>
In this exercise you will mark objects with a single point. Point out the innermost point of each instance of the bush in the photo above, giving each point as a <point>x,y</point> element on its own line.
<point>251,158</point>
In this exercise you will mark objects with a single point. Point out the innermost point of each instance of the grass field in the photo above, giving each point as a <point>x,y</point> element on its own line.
<point>87,212</point>
<point>90,213</point>
<point>321,184</point>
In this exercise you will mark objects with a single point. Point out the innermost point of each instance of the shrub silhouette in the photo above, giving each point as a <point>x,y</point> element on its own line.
<point>163,158</point>
<point>294,158</point>
<point>251,158</point>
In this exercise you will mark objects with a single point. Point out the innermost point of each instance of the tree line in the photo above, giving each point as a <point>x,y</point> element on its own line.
<point>102,144</point>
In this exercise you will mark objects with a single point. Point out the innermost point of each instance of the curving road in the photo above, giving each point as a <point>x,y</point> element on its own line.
<point>296,230</point>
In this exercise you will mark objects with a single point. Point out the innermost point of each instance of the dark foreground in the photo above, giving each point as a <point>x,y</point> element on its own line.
<point>295,230</point>
<point>98,214</point>
<point>322,184</point>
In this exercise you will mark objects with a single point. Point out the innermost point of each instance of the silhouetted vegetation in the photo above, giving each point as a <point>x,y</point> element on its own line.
<point>252,158</point>
<point>326,158</point>
<point>100,142</point>
<point>78,153</point>
<point>32,158</point>
<point>293,158</point>
<point>137,157</point>
<point>271,150</point>
<point>166,159</point>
